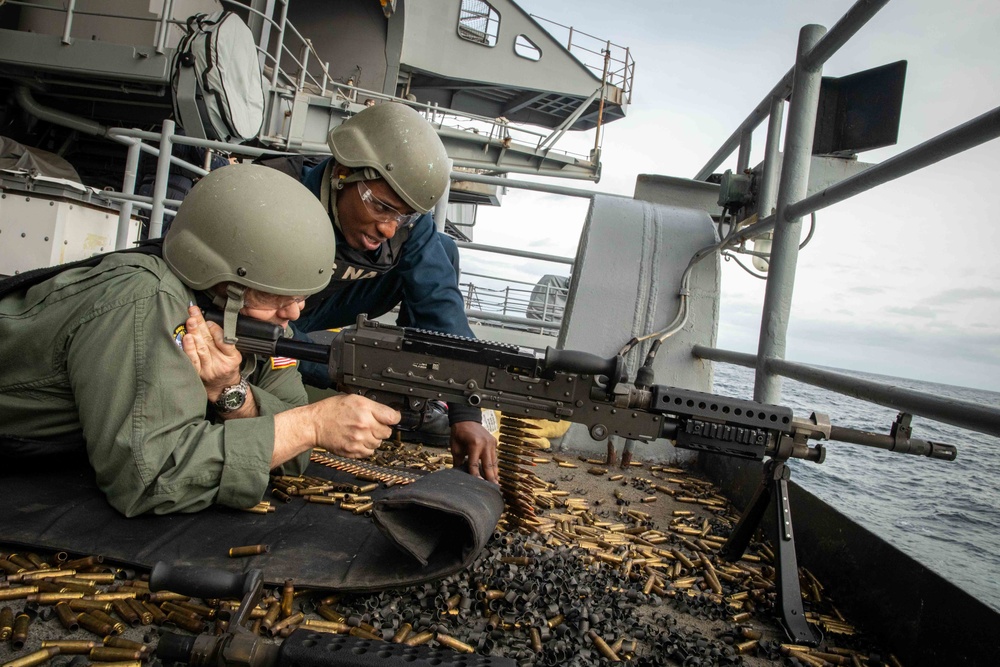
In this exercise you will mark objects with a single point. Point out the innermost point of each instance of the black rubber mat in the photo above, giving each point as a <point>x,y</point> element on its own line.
<point>418,532</point>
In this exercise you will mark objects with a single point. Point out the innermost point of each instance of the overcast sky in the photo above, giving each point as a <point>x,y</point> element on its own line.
<point>904,280</point>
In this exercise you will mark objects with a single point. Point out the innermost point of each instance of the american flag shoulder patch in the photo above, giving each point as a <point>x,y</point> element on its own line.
<point>282,362</point>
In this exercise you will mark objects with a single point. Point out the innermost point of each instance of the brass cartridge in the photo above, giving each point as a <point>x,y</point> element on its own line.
<point>158,615</point>
<point>187,622</point>
<point>19,633</point>
<point>127,663</point>
<point>97,577</point>
<point>536,639</point>
<point>294,619</point>
<point>743,648</point>
<point>173,607</point>
<point>117,627</point>
<point>18,592</point>
<point>404,631</point>
<point>87,605</point>
<point>271,617</point>
<point>121,642</point>
<point>119,595</point>
<point>602,646</point>
<point>70,646</point>
<point>89,622</point>
<point>145,616</point>
<point>6,623</point>
<point>418,639</point>
<point>114,654</point>
<point>126,613</point>
<point>364,634</point>
<point>287,598</point>
<point>37,658</point>
<point>252,550</point>
<point>331,614</point>
<point>67,617</point>
<point>454,644</point>
<point>328,626</point>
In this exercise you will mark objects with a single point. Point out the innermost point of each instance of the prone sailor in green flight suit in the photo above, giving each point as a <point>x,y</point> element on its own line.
<point>117,359</point>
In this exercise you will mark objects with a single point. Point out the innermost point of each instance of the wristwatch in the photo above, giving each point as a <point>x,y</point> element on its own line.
<point>232,398</point>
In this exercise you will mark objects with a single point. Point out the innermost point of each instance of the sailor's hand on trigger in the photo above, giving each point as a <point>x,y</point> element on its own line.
<point>217,362</point>
<point>475,449</point>
<point>351,425</point>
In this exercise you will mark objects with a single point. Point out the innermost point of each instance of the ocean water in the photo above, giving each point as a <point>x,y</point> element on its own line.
<point>945,514</point>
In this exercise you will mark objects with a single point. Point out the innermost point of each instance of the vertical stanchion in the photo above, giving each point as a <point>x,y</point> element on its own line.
<point>128,188</point>
<point>792,187</point>
<point>160,184</point>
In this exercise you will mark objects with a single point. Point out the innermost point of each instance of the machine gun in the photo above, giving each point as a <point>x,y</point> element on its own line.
<point>404,368</point>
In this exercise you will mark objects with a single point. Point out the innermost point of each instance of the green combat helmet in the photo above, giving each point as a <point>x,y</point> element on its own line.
<point>252,227</point>
<point>392,141</point>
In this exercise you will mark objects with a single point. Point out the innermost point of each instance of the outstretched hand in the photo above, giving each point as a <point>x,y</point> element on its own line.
<point>474,448</point>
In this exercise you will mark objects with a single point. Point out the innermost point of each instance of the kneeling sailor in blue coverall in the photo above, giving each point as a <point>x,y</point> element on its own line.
<point>388,170</point>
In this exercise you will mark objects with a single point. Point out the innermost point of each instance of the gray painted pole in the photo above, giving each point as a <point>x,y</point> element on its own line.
<point>792,186</point>
<point>769,179</point>
<point>441,208</point>
<point>160,184</point>
<point>128,187</point>
<point>964,414</point>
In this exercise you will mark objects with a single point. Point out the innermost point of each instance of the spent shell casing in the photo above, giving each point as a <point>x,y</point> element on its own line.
<point>290,621</point>
<point>67,617</point>
<point>126,613</point>
<point>37,658</point>
<point>454,644</point>
<point>250,550</point>
<point>117,627</point>
<point>330,614</point>
<point>6,623</point>
<point>120,642</point>
<point>188,623</point>
<point>158,616</point>
<point>90,622</point>
<point>114,654</point>
<point>271,617</point>
<point>328,626</point>
<point>145,617</point>
<point>536,639</point>
<point>71,646</point>
<point>418,639</point>
<point>287,598</point>
<point>363,633</point>
<point>402,633</point>
<point>602,646</point>
<point>18,592</point>
<point>19,633</point>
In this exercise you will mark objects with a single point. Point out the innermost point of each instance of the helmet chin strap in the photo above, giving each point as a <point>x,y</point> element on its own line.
<point>332,185</point>
<point>231,304</point>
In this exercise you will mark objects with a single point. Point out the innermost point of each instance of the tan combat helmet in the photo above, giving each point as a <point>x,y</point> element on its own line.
<point>253,226</point>
<point>396,142</point>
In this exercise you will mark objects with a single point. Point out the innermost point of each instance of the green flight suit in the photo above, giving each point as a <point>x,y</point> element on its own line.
<point>95,352</point>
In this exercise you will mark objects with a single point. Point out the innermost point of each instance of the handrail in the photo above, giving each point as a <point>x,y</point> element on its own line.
<point>792,202</point>
<point>963,414</point>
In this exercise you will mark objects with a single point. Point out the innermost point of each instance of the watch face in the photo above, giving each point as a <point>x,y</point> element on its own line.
<point>233,398</point>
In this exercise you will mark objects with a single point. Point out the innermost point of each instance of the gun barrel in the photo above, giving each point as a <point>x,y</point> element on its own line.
<point>934,450</point>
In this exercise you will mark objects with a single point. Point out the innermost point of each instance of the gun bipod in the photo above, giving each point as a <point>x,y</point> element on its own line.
<point>774,488</point>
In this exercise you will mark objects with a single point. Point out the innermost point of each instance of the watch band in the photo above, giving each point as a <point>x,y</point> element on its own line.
<point>232,398</point>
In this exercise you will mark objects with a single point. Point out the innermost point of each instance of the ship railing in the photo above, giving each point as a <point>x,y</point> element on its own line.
<point>292,66</point>
<point>311,75</point>
<point>499,302</point>
<point>783,202</point>
<point>612,63</point>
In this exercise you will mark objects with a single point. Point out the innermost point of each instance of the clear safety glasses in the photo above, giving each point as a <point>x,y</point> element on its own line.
<point>384,212</point>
